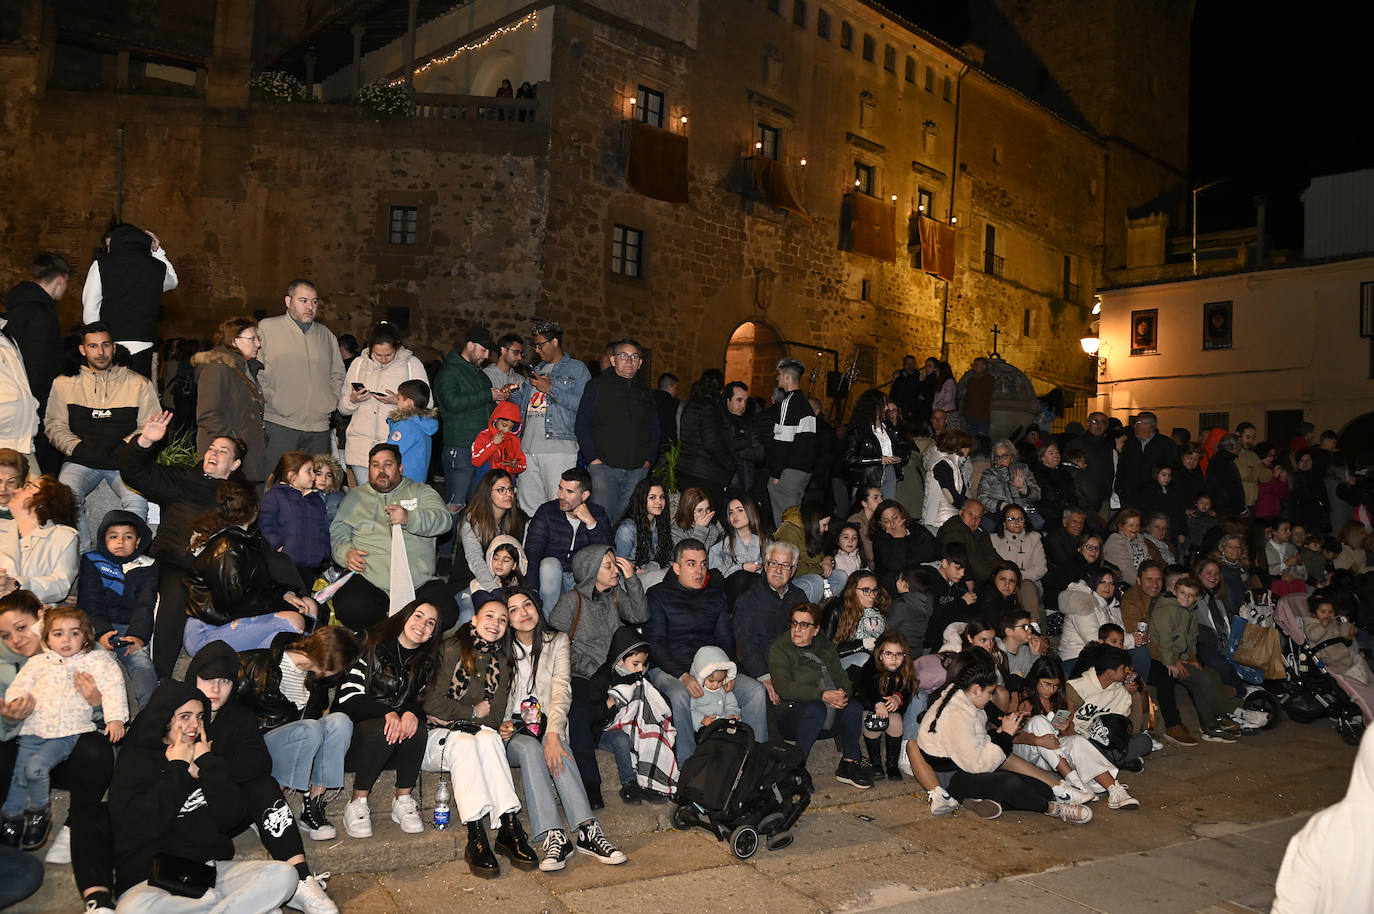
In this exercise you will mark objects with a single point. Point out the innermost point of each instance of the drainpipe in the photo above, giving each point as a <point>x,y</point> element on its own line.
<point>949,209</point>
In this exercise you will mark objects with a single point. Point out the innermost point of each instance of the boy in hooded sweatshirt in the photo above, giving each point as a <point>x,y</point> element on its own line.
<point>634,720</point>
<point>411,427</point>
<point>498,447</point>
<point>117,587</point>
<point>714,670</point>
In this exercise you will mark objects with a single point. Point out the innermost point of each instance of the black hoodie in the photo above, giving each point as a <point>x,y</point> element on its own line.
<point>626,640</point>
<point>131,281</point>
<point>233,730</point>
<point>33,326</point>
<point>119,591</point>
<point>156,805</point>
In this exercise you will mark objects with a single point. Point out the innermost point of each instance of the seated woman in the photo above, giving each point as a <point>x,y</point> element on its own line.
<point>1004,595</point>
<point>174,800</point>
<point>383,694</point>
<point>1047,737</point>
<point>1125,548</point>
<point>491,512</point>
<point>1025,548</point>
<point>644,535</point>
<point>1157,535</point>
<point>805,526</point>
<point>695,519</point>
<point>1086,562</point>
<point>39,548</point>
<point>887,684</point>
<point>815,696</point>
<point>1009,482</point>
<point>1087,606</point>
<point>1056,482</point>
<point>865,506</point>
<point>855,618</point>
<point>465,719</point>
<point>740,550</point>
<point>238,590</point>
<point>898,541</point>
<point>536,728</point>
<point>287,687</point>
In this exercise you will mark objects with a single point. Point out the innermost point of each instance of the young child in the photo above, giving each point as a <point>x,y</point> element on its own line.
<point>329,482</point>
<point>1202,520</point>
<point>635,720</point>
<point>60,715</point>
<point>713,669</point>
<point>1109,634</point>
<point>507,562</point>
<point>411,427</point>
<point>1325,625</point>
<point>910,609</point>
<point>848,558</point>
<point>1285,565</point>
<point>117,588</point>
<point>293,518</point>
<point>498,446</point>
<point>886,684</point>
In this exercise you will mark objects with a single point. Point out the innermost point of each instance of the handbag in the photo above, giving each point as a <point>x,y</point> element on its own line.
<point>181,876</point>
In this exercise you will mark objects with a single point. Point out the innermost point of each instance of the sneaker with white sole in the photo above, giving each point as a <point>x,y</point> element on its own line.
<point>1072,813</point>
<point>1118,798</point>
<point>1155,745</point>
<point>310,897</point>
<point>1250,720</point>
<point>591,840</point>
<point>557,850</point>
<point>1067,793</point>
<point>983,809</point>
<point>406,814</point>
<point>1219,736</point>
<point>942,804</point>
<point>312,821</point>
<point>358,818</point>
<point>61,850</point>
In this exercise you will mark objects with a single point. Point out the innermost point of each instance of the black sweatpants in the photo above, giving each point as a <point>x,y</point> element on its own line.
<point>369,754</point>
<point>360,604</point>
<point>581,738</point>
<point>169,623</point>
<point>267,809</point>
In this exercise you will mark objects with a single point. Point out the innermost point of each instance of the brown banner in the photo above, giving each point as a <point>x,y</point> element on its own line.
<point>773,181</point>
<point>656,162</point>
<point>937,248</point>
<point>872,225</point>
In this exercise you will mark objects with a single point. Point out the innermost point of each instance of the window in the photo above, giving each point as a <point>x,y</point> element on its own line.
<point>1027,323</point>
<point>799,13</point>
<point>930,79</point>
<point>1208,421</point>
<point>992,264</point>
<point>1367,310</point>
<point>870,48</point>
<point>949,89</point>
<point>823,24</point>
<point>649,106</point>
<point>911,70</point>
<point>401,224</point>
<point>863,178</point>
<point>627,252</point>
<point>997,153</point>
<point>890,58</point>
<point>846,36</point>
<point>1070,287</point>
<point>925,202</point>
<point>866,290</point>
<point>768,141</point>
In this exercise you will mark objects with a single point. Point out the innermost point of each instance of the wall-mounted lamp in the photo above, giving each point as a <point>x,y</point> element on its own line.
<point>1097,351</point>
<point>803,162</point>
<point>758,145</point>
<point>921,208</point>
<point>1097,304</point>
<point>953,220</point>
<point>684,119</point>
<point>894,198</point>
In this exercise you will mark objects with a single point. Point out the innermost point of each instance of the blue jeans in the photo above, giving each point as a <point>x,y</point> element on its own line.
<point>753,708</point>
<point>553,582</point>
<point>242,635</point>
<point>466,608</point>
<point>82,480</point>
<point>618,743</point>
<point>611,487</point>
<point>458,474</point>
<point>813,585</point>
<point>978,426</point>
<point>310,753</point>
<point>34,761</point>
<point>911,717</point>
<point>527,753</point>
<point>1140,662</point>
<point>804,723</point>
<point>139,666</point>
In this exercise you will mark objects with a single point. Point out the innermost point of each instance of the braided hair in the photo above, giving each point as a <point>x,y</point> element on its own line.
<point>978,671</point>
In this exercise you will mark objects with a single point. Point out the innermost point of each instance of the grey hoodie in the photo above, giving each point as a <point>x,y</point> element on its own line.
<point>590,631</point>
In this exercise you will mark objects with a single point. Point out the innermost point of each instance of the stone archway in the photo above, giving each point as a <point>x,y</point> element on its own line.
<point>1357,441</point>
<point>752,356</point>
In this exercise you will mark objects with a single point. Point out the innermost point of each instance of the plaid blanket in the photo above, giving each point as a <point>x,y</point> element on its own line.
<point>643,713</point>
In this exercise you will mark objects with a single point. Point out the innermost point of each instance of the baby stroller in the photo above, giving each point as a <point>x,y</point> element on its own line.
<point>1314,691</point>
<point>734,786</point>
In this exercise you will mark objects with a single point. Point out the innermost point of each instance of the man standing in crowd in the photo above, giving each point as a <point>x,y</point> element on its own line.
<point>1097,448</point>
<point>301,376</point>
<point>31,312</point>
<point>549,401</point>
<point>906,387</point>
<point>90,414</point>
<point>464,396</point>
<point>791,452</point>
<point>668,406</point>
<point>617,429</point>
<point>124,290</point>
<point>1147,450</point>
<point>1253,472</point>
<point>510,351</point>
<point>976,406</point>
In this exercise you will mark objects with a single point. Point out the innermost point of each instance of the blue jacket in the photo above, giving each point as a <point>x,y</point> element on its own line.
<point>297,522</point>
<point>681,621</point>
<point>119,591</point>
<point>760,617</point>
<point>549,535</point>
<point>413,433</point>
<point>569,377</point>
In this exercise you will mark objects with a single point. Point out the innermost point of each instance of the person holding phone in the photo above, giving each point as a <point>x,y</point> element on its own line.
<point>369,393</point>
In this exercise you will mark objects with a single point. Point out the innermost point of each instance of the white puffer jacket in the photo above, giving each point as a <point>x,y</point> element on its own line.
<point>1084,613</point>
<point>368,425</point>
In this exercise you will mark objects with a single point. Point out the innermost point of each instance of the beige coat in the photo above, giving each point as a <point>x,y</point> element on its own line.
<point>302,373</point>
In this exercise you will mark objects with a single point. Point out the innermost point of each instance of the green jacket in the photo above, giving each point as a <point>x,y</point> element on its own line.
<point>793,531</point>
<point>1173,630</point>
<point>439,704</point>
<point>462,391</point>
<point>362,523</point>
<point>797,679</point>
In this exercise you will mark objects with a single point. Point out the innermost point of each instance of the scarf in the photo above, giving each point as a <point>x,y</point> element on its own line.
<point>1138,551</point>
<point>487,663</point>
<point>643,714</point>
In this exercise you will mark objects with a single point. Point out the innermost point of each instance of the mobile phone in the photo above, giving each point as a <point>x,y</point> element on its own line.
<point>1140,628</point>
<point>358,386</point>
<point>1035,628</point>
<point>1061,715</point>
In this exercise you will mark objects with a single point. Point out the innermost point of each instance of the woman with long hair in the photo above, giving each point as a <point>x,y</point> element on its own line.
<point>948,478</point>
<point>369,394</point>
<point>874,452</point>
<point>741,548</point>
<point>39,549</point>
<point>695,518</point>
<point>1125,548</point>
<point>887,683</point>
<point>491,512</point>
<point>644,534</point>
<point>805,526</point>
<point>866,502</point>
<point>856,617</point>
<point>229,403</point>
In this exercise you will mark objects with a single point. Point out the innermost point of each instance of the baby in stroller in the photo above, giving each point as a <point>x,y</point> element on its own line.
<point>1331,638</point>
<point>1315,689</point>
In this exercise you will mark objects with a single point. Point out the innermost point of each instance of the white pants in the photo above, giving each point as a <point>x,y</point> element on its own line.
<point>241,887</point>
<point>539,482</point>
<point>1082,756</point>
<point>478,771</point>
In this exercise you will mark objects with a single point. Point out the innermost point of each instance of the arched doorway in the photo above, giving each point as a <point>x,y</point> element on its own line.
<point>1357,441</point>
<point>752,356</point>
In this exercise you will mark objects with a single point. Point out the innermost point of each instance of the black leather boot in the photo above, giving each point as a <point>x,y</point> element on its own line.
<point>511,841</point>
<point>875,756</point>
<point>894,754</point>
<point>481,861</point>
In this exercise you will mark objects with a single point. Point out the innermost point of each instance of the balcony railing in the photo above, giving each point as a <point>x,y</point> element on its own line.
<point>474,108</point>
<point>993,264</point>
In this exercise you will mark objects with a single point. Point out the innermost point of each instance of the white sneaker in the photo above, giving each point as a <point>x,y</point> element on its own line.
<point>942,804</point>
<point>311,898</point>
<point>1118,798</point>
<point>1155,745</point>
<point>1072,813</point>
<point>61,850</point>
<point>405,814</point>
<point>1067,793</point>
<point>1254,720</point>
<point>358,818</point>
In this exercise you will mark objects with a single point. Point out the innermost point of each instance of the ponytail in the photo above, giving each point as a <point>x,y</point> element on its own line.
<point>980,672</point>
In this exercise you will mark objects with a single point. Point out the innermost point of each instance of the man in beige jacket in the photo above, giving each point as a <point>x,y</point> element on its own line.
<point>1252,471</point>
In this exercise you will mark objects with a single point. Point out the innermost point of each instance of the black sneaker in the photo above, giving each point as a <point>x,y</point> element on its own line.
<point>312,820</point>
<point>631,794</point>
<point>37,824</point>
<point>1133,765</point>
<point>851,772</point>
<point>13,831</point>
<point>592,842</point>
<point>557,850</point>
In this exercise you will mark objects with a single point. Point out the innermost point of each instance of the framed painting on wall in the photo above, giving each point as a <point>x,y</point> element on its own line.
<point>1145,332</point>
<point>1216,325</point>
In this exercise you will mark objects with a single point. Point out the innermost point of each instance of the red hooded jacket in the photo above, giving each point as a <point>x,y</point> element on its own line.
<point>503,455</point>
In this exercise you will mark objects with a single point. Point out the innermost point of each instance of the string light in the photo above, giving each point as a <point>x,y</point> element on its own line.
<point>529,19</point>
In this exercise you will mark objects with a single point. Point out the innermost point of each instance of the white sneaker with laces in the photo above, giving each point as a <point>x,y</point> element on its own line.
<point>1066,792</point>
<point>358,818</point>
<point>1072,813</point>
<point>1155,745</point>
<point>405,813</point>
<point>310,897</point>
<point>942,804</point>
<point>61,850</point>
<point>1118,798</point>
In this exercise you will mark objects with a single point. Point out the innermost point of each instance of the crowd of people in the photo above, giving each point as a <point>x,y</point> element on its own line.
<point>581,563</point>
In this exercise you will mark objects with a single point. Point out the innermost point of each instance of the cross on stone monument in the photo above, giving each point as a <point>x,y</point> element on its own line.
<point>995,333</point>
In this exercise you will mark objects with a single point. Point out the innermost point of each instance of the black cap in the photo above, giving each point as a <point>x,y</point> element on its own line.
<point>481,335</point>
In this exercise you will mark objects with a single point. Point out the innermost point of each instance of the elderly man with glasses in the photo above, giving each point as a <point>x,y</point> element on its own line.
<point>617,428</point>
<point>761,613</point>
<point>1096,446</point>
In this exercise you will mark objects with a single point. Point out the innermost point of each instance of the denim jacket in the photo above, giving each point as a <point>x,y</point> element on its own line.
<point>569,378</point>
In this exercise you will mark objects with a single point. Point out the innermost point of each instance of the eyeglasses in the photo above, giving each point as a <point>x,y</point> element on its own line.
<point>893,655</point>
<point>866,590</point>
<point>780,565</point>
<point>802,626</point>
<point>537,344</point>
<point>247,339</point>
<point>504,490</point>
<point>1089,547</point>
<point>1001,456</point>
<point>1014,519</point>
<point>1023,625</point>
<point>629,356</point>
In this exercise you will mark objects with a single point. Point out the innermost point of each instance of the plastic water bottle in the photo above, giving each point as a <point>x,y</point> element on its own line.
<point>441,805</point>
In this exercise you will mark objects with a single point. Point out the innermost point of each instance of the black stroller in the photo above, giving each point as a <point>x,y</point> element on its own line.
<point>734,786</point>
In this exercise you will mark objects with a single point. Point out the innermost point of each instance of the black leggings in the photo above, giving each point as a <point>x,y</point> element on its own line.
<point>1012,790</point>
<point>360,604</point>
<point>169,623</point>
<point>369,754</point>
<point>1164,694</point>
<point>581,738</point>
<point>267,809</point>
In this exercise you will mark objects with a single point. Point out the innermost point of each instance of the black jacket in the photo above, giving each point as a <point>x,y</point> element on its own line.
<point>119,591</point>
<point>131,280</point>
<point>891,553</point>
<point>746,447</point>
<point>626,640</point>
<point>1134,468</point>
<point>791,439</point>
<point>34,328</point>
<point>706,441</point>
<point>867,689</point>
<point>233,730</point>
<point>682,620</point>
<point>862,460</point>
<point>157,806</point>
<point>1101,465</point>
<point>1056,492</point>
<point>183,492</point>
<point>379,682</point>
<point>910,615</point>
<point>259,686</point>
<point>232,579</point>
<point>760,616</point>
<point>947,605</point>
<point>617,422</point>
<point>1223,480</point>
